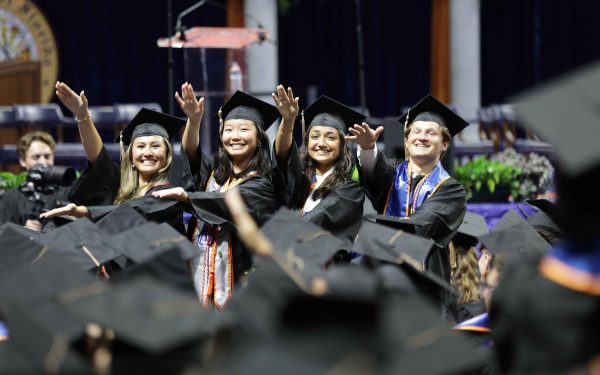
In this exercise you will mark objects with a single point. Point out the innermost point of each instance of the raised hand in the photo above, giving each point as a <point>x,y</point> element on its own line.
<point>286,103</point>
<point>70,209</point>
<point>176,193</point>
<point>364,136</point>
<point>192,107</point>
<point>77,104</point>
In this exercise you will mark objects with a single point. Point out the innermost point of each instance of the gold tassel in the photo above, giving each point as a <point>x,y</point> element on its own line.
<point>220,113</point>
<point>405,126</point>
<point>453,259</point>
<point>303,126</point>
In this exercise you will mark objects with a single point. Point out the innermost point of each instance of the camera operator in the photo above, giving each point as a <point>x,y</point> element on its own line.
<point>22,205</point>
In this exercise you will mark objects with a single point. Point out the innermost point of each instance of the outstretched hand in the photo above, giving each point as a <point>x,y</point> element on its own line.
<point>364,136</point>
<point>176,193</point>
<point>192,107</point>
<point>70,209</point>
<point>77,104</point>
<point>286,103</point>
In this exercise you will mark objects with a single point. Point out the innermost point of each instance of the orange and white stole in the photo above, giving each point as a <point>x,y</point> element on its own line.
<point>213,267</point>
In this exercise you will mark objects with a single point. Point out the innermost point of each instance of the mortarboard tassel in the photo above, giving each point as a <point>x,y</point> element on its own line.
<point>303,126</point>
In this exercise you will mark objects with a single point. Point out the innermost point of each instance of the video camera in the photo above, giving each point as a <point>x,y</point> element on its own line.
<point>46,179</point>
<point>42,183</point>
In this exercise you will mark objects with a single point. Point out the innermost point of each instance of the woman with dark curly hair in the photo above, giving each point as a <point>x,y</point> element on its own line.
<point>322,182</point>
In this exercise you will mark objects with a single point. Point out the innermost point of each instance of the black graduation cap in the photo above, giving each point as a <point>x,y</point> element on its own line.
<point>401,248</point>
<point>408,224</point>
<point>419,342</point>
<point>247,107</point>
<point>318,335</point>
<point>310,335</point>
<point>472,227</point>
<point>82,241</point>
<point>513,236</point>
<point>564,112</point>
<point>30,233</point>
<point>149,122</point>
<point>429,103</point>
<point>168,266</point>
<point>544,205</point>
<point>17,249</point>
<point>349,281</point>
<point>37,345</point>
<point>292,236</point>
<point>122,218</point>
<point>390,245</point>
<point>546,217</point>
<point>144,312</point>
<point>37,323</point>
<point>543,223</point>
<point>328,112</point>
<point>145,241</point>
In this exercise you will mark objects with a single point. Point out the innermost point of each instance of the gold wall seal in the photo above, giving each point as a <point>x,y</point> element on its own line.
<point>25,35</point>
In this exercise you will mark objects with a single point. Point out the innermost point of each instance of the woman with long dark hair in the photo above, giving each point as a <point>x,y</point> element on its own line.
<point>242,161</point>
<point>322,181</point>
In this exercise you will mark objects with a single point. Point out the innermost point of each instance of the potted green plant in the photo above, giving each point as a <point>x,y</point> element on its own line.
<point>10,180</point>
<point>488,180</point>
<point>536,174</point>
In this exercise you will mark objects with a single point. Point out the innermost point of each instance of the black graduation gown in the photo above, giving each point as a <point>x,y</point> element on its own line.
<point>159,210</point>
<point>443,211</point>
<point>209,207</point>
<point>541,327</point>
<point>99,184</point>
<point>15,206</point>
<point>466,311</point>
<point>339,212</point>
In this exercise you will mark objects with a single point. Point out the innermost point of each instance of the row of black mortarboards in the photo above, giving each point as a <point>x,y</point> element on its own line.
<point>559,332</point>
<point>291,311</point>
<point>53,287</point>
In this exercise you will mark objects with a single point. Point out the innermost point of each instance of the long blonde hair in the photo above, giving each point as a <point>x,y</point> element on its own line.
<point>466,278</point>
<point>129,187</point>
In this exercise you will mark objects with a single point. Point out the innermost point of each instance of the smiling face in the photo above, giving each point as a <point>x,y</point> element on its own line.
<point>38,153</point>
<point>425,141</point>
<point>324,146</point>
<point>149,155</point>
<point>240,139</point>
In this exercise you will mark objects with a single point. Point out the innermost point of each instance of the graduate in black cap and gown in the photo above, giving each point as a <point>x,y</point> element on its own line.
<point>319,177</point>
<point>242,162</point>
<point>147,157</point>
<point>418,187</point>
<point>558,330</point>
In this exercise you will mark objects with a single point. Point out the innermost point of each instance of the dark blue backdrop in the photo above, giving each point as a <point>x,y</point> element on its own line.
<point>109,47</point>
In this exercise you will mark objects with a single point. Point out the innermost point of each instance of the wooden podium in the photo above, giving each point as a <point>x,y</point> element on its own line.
<point>233,39</point>
<point>20,83</point>
<point>216,37</point>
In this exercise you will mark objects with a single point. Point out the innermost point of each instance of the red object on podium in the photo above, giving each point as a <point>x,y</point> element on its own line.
<point>216,37</point>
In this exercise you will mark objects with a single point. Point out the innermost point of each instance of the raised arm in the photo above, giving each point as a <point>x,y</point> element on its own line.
<point>78,105</point>
<point>193,109</point>
<point>288,107</point>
